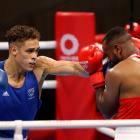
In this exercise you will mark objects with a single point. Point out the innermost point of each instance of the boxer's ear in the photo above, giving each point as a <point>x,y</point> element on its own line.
<point>13,49</point>
<point>117,50</point>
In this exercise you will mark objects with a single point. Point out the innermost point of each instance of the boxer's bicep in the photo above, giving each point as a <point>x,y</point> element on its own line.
<point>112,89</point>
<point>109,100</point>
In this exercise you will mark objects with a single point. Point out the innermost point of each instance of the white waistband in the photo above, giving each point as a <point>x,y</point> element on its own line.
<point>127,133</point>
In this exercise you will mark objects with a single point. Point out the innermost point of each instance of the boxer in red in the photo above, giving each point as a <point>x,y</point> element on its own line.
<point>120,99</point>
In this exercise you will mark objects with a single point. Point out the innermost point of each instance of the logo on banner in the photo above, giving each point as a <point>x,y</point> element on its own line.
<point>69,44</point>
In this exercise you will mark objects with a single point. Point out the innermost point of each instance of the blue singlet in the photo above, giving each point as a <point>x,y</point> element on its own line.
<point>19,103</point>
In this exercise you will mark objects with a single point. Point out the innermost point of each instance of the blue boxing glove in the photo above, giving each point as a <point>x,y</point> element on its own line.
<point>3,81</point>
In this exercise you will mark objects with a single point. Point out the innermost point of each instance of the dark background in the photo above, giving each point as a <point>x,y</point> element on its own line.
<point>40,14</point>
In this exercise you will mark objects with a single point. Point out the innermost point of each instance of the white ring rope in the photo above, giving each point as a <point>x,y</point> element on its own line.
<point>49,84</point>
<point>43,45</point>
<point>68,124</point>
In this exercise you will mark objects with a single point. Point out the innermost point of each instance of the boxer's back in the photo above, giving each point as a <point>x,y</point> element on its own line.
<point>130,77</point>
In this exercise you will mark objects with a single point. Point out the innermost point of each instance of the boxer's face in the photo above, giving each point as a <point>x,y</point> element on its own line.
<point>26,54</point>
<point>113,54</point>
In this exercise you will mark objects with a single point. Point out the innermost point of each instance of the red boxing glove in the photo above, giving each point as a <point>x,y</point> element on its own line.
<point>136,42</point>
<point>91,58</point>
<point>97,79</point>
<point>135,31</point>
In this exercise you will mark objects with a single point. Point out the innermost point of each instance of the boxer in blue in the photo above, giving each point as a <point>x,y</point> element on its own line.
<point>23,73</point>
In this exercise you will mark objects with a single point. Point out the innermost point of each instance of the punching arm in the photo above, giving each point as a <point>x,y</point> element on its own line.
<point>61,67</point>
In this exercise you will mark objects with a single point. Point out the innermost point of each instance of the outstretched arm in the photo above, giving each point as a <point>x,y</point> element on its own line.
<point>51,66</point>
<point>90,60</point>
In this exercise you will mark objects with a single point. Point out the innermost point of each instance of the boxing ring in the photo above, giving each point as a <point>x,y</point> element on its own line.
<point>103,126</point>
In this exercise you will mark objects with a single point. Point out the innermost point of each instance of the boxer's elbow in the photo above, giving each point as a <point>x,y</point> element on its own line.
<point>107,112</point>
<point>108,115</point>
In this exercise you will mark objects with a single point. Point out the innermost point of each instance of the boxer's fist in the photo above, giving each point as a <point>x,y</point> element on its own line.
<point>133,29</point>
<point>97,79</point>
<point>3,80</point>
<point>90,58</point>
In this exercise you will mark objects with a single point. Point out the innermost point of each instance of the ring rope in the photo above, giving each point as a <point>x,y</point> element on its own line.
<point>43,45</point>
<point>77,123</point>
<point>68,124</point>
